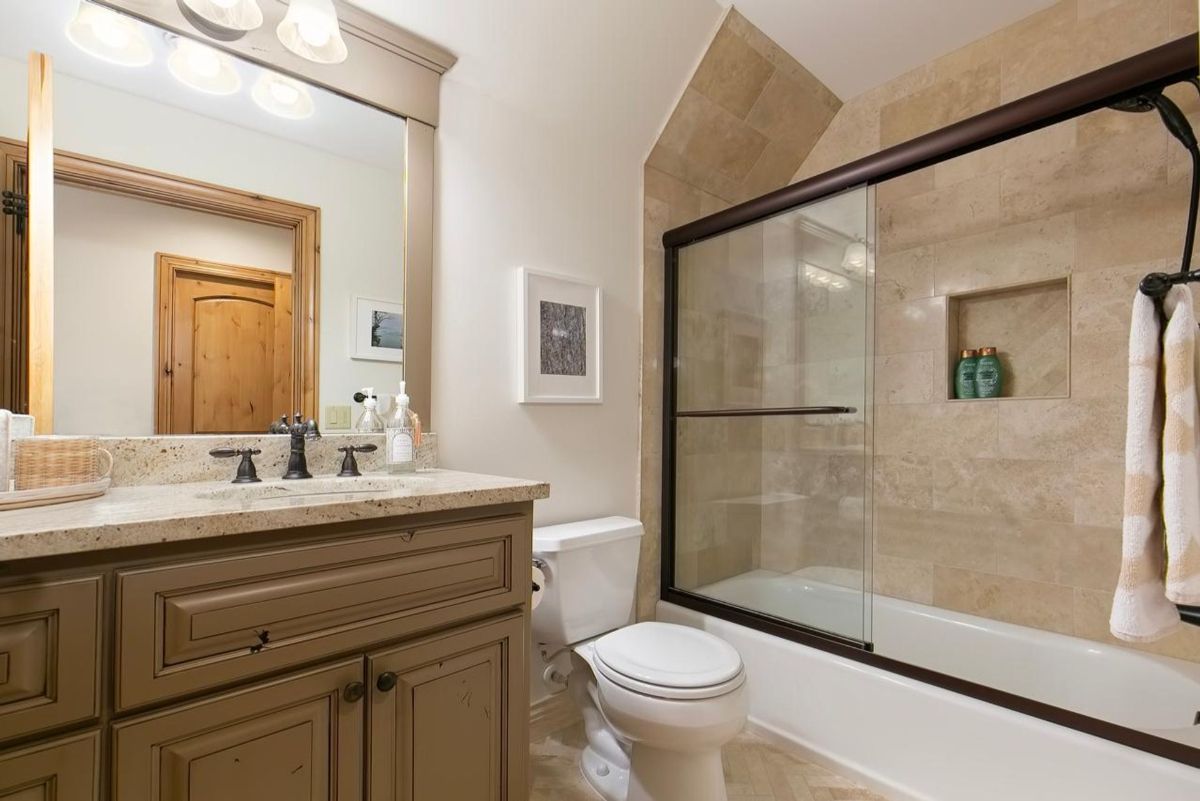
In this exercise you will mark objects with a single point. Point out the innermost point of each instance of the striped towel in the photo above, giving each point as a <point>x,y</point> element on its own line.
<point>1160,556</point>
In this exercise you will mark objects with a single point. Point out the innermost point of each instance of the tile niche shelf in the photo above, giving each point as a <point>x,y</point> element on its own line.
<point>1029,325</point>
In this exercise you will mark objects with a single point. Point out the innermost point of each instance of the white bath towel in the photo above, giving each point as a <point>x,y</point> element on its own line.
<point>1160,557</point>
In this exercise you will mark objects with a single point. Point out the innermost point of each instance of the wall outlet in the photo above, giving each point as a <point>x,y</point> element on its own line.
<point>337,418</point>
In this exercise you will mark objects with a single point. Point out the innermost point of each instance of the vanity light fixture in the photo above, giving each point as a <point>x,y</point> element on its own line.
<point>855,257</point>
<point>310,30</point>
<point>203,68</point>
<point>109,36</point>
<point>227,15</point>
<point>282,96</point>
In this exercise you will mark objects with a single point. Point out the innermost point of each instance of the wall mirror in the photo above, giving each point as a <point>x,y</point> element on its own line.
<point>226,238</point>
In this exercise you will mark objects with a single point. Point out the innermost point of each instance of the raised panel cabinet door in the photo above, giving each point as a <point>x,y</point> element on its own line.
<point>63,770</point>
<point>49,657</point>
<point>449,716</point>
<point>298,737</point>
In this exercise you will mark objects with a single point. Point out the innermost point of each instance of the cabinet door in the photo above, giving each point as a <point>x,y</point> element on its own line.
<point>299,737</point>
<point>63,770</point>
<point>449,716</point>
<point>49,652</point>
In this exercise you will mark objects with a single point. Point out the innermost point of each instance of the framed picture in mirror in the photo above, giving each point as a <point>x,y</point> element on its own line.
<point>378,330</point>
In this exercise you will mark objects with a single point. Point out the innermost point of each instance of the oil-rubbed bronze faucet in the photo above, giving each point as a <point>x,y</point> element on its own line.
<point>300,432</point>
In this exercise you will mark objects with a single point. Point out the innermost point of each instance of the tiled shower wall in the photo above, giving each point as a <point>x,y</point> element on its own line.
<point>744,125</point>
<point>1011,509</point>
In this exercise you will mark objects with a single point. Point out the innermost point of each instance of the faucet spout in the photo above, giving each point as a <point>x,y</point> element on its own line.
<point>300,433</point>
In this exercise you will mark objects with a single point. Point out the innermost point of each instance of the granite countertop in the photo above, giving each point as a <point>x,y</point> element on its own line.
<point>155,513</point>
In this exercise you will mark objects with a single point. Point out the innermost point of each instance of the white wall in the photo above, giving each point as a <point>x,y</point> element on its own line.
<point>361,205</point>
<point>518,186</point>
<point>104,298</point>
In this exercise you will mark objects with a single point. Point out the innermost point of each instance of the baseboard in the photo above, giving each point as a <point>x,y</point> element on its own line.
<point>872,781</point>
<point>552,714</point>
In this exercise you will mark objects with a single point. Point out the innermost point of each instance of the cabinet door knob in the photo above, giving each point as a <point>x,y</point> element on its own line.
<point>386,682</point>
<point>354,692</point>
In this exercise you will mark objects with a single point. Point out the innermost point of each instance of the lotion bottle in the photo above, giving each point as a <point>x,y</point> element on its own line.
<point>368,421</point>
<point>400,438</point>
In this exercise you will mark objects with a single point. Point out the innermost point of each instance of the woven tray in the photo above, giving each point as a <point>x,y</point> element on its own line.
<point>45,496</point>
<point>44,462</point>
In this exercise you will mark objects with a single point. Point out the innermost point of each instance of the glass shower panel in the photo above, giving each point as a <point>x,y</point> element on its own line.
<point>771,435</point>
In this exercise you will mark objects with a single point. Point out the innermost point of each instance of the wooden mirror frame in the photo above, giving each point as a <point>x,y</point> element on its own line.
<point>303,221</point>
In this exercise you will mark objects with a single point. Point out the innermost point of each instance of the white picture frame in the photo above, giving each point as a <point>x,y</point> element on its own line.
<point>378,330</point>
<point>565,314</point>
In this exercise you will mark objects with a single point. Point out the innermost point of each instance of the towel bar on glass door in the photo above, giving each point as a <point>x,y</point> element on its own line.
<point>778,411</point>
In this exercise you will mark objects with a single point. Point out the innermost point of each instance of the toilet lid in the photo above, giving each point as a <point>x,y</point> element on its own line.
<point>669,656</point>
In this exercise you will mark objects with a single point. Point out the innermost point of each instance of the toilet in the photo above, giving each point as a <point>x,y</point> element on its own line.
<point>658,700</point>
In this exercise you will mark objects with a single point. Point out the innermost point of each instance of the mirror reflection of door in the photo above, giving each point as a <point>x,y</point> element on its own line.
<point>225,347</point>
<point>14,393</point>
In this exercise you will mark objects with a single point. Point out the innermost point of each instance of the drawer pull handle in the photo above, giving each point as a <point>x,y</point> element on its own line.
<point>407,536</point>
<point>386,682</point>
<point>354,692</point>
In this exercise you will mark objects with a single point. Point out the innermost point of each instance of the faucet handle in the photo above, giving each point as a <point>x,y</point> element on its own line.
<point>246,472</point>
<point>349,463</point>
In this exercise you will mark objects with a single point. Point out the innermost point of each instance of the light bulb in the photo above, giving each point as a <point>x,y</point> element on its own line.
<point>109,36</point>
<point>310,30</point>
<point>202,60</point>
<point>314,31</point>
<point>110,30</point>
<point>203,68</point>
<point>282,96</point>
<point>226,4</point>
<point>236,16</point>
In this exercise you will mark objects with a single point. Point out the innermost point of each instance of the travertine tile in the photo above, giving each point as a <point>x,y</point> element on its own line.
<point>903,481</point>
<point>908,579</point>
<point>905,377</point>
<point>957,539</point>
<point>1123,30</point>
<point>1060,553</point>
<point>963,95</point>
<point>914,325</point>
<point>1091,612</point>
<point>1012,254</point>
<point>914,183</point>
<point>961,209</point>
<point>904,275</point>
<point>792,112</point>
<point>1067,428</point>
<point>1101,300</point>
<point>722,142</point>
<point>1129,230</point>
<point>1010,489</point>
<point>928,431</point>
<point>1039,51</point>
<point>1027,603</point>
<point>1099,490</point>
<point>732,74</point>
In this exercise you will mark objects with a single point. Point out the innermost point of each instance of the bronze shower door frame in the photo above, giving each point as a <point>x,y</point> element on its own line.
<point>1168,64</point>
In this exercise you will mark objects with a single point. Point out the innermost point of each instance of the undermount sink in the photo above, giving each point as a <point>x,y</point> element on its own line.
<point>304,487</point>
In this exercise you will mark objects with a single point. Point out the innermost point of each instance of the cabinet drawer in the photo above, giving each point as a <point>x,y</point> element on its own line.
<point>49,655</point>
<point>295,737</point>
<point>63,770</point>
<point>193,626</point>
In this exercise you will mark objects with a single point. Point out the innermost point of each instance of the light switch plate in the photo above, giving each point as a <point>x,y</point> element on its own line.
<point>337,418</point>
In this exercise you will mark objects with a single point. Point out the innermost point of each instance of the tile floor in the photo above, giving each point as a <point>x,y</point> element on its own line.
<point>755,770</point>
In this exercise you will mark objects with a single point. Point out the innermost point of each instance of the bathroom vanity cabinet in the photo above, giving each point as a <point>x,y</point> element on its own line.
<point>381,659</point>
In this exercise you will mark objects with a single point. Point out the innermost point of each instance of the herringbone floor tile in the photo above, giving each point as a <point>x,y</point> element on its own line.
<point>754,771</point>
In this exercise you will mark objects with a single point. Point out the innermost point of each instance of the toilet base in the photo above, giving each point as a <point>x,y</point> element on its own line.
<point>610,781</point>
<point>656,774</point>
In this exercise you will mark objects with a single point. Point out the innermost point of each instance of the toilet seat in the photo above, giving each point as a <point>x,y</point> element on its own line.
<point>664,660</point>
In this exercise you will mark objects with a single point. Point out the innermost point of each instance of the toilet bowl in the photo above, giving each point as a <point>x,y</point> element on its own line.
<point>658,700</point>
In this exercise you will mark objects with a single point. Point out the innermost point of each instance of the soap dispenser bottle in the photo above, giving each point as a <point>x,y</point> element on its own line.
<point>369,421</point>
<point>400,436</point>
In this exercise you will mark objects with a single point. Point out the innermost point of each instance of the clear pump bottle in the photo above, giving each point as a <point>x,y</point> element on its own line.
<point>401,437</point>
<point>369,421</point>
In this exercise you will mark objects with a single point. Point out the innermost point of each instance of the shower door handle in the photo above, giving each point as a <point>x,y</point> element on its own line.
<point>779,411</point>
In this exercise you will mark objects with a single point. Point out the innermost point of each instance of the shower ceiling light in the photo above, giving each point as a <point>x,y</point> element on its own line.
<point>109,36</point>
<point>230,15</point>
<point>203,68</point>
<point>310,30</point>
<point>282,96</point>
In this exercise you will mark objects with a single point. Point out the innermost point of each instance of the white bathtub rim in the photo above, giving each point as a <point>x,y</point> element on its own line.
<point>872,780</point>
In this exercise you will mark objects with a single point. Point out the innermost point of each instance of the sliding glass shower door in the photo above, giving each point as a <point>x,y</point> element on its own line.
<point>768,436</point>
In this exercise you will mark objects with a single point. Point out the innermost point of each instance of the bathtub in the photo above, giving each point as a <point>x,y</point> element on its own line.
<point>912,740</point>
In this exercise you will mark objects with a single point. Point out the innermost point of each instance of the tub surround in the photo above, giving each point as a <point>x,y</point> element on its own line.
<point>156,513</point>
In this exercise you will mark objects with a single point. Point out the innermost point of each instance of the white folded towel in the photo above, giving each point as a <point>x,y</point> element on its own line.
<point>1160,556</point>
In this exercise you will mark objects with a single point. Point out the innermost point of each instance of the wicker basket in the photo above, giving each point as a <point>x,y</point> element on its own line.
<point>50,462</point>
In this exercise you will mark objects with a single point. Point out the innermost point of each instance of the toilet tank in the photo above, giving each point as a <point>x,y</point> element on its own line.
<point>591,578</point>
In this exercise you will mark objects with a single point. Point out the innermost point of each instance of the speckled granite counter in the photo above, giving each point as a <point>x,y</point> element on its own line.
<point>147,514</point>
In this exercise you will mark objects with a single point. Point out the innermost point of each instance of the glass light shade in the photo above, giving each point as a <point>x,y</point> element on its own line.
<point>203,68</point>
<point>232,15</point>
<point>282,96</point>
<point>310,30</point>
<point>855,256</point>
<point>109,36</point>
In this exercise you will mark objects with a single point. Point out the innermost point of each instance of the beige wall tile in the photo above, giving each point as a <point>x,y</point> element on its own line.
<point>1099,365</point>
<point>1101,300</point>
<point>1183,15</point>
<point>940,538</point>
<point>1092,609</point>
<point>1099,491</point>
<point>929,431</point>
<point>963,95</point>
<point>1013,254</point>
<point>1061,553</point>
<point>1033,429</point>
<point>1120,31</point>
<point>732,74</point>
<point>792,112</point>
<point>1130,230</point>
<point>905,377</point>
<point>722,142</point>
<point>1010,489</point>
<point>903,481</point>
<point>913,325</point>
<point>1027,603</point>
<point>961,209</point>
<point>904,275</point>
<point>1039,51</point>
<point>915,183</point>
<point>909,579</point>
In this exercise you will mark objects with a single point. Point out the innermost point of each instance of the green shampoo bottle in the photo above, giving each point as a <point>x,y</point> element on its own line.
<point>989,376</point>
<point>964,374</point>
